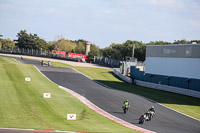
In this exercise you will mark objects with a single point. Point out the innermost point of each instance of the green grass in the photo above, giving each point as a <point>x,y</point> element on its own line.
<point>58,64</point>
<point>22,104</point>
<point>185,104</point>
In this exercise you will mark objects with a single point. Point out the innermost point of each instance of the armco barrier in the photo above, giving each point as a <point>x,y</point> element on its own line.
<point>195,84</point>
<point>179,82</point>
<point>137,74</point>
<point>169,88</point>
<point>180,85</point>
<point>160,79</point>
<point>125,78</point>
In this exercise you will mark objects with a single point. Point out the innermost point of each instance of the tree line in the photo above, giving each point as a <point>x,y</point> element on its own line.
<point>115,50</point>
<point>121,51</point>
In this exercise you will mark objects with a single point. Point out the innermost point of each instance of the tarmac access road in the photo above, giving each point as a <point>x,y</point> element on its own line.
<point>110,100</point>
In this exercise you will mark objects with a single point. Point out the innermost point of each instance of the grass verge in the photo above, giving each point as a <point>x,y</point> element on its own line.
<point>23,106</point>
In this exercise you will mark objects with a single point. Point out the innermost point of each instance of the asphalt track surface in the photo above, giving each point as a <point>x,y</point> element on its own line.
<point>110,100</point>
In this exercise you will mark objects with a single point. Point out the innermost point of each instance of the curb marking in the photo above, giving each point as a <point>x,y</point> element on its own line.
<point>104,113</point>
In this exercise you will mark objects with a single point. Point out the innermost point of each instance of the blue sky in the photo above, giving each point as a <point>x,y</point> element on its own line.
<point>102,21</point>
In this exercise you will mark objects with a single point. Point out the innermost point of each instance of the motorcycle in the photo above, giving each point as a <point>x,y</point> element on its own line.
<point>150,115</point>
<point>142,119</point>
<point>153,113</point>
<point>146,117</point>
<point>125,109</point>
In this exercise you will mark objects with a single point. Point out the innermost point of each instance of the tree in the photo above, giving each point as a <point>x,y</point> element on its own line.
<point>140,50</point>
<point>121,51</point>
<point>94,51</point>
<point>127,48</point>
<point>108,52</point>
<point>113,51</point>
<point>7,43</point>
<point>24,41</point>
<point>50,45</point>
<point>62,45</point>
<point>196,41</point>
<point>158,43</point>
<point>39,43</point>
<point>183,41</point>
<point>91,56</point>
<point>80,47</point>
<point>30,41</point>
<point>0,43</point>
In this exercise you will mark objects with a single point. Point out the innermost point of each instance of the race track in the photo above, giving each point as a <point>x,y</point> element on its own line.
<point>110,100</point>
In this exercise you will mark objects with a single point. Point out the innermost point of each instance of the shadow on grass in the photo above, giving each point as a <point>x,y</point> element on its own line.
<point>160,96</point>
<point>111,72</point>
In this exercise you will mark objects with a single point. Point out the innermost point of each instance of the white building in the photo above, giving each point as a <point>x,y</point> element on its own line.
<point>173,60</point>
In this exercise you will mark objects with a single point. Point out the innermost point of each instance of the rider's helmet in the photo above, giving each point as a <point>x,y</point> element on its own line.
<point>152,107</point>
<point>127,100</point>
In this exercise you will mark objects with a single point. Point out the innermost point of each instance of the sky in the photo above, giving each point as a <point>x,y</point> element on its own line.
<point>102,22</point>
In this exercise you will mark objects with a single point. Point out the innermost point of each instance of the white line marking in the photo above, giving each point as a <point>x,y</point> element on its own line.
<point>16,60</point>
<point>177,111</point>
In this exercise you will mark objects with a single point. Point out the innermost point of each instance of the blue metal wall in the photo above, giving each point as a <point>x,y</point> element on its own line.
<point>192,84</point>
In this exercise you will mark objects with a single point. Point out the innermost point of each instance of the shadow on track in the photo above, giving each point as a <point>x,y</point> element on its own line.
<point>118,112</point>
<point>159,96</point>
